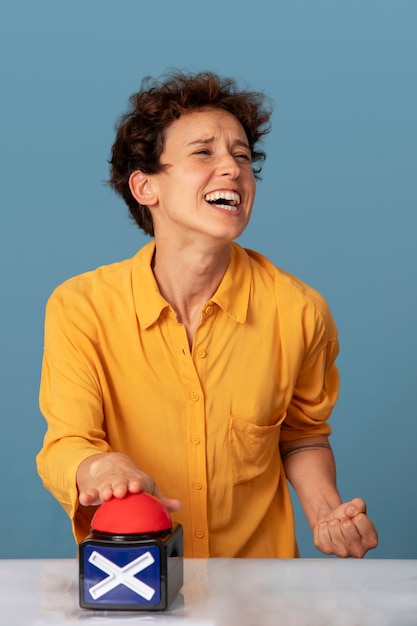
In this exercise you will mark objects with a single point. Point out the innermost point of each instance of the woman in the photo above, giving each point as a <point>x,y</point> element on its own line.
<point>197,369</point>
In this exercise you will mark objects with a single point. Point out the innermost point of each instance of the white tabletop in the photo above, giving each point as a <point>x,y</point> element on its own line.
<point>228,592</point>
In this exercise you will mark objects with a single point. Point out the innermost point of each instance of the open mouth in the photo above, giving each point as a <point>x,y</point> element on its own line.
<point>228,200</point>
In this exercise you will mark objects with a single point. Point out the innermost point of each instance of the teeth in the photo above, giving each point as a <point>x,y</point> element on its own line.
<point>232,197</point>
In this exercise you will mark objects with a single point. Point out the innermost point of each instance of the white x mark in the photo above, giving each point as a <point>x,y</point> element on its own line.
<point>121,575</point>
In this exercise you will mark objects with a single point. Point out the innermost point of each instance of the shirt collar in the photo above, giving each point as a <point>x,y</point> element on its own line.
<point>232,295</point>
<point>149,302</point>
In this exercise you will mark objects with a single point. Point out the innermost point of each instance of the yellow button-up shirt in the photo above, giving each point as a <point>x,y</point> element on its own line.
<point>118,375</point>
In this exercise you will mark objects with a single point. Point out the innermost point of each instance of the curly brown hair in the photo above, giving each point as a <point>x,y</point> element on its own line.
<point>141,131</point>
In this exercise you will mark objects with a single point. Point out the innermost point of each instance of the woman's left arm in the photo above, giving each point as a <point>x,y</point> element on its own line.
<point>340,528</point>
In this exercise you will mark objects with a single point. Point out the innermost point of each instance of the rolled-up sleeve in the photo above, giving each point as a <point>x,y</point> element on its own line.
<point>314,397</point>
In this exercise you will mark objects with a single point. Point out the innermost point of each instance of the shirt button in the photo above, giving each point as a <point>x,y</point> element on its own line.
<point>209,310</point>
<point>197,485</point>
<point>199,532</point>
<point>194,396</point>
<point>195,439</point>
<point>201,354</point>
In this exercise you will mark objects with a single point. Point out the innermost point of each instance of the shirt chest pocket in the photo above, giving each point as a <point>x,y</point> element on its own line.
<point>253,448</point>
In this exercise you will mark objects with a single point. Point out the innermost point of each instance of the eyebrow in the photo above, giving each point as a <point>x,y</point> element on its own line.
<point>210,140</point>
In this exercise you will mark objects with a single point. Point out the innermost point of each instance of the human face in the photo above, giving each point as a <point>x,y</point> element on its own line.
<point>207,187</point>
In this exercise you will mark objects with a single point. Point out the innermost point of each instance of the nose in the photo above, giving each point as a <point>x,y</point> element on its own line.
<point>227,165</point>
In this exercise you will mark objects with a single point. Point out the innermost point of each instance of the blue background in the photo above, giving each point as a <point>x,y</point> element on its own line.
<point>337,207</point>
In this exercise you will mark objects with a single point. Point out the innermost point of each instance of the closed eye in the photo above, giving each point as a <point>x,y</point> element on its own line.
<point>244,157</point>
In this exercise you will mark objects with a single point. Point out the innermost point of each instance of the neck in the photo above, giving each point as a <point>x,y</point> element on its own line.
<point>188,278</point>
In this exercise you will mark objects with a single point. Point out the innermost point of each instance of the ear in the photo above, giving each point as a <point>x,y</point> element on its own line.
<point>140,185</point>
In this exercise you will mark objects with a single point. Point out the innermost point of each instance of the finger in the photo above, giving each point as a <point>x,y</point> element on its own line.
<point>360,535</point>
<point>366,530</point>
<point>106,492</point>
<point>340,547</point>
<point>354,507</point>
<point>352,538</point>
<point>135,486</point>
<point>90,498</point>
<point>172,504</point>
<point>321,537</point>
<point>120,487</point>
<point>340,512</point>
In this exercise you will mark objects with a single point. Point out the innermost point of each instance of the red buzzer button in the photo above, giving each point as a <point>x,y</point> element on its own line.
<point>135,514</point>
